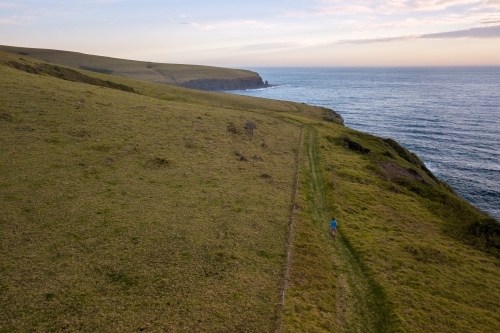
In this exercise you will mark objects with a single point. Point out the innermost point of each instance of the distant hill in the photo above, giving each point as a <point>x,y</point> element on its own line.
<point>189,76</point>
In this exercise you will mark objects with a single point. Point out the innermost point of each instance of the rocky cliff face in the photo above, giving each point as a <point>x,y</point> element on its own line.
<point>253,82</point>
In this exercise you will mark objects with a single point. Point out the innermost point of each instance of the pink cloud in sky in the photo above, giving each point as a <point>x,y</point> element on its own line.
<point>355,7</point>
<point>482,32</point>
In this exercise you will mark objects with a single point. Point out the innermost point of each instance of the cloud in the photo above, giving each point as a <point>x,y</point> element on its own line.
<point>379,7</point>
<point>375,40</point>
<point>409,23</point>
<point>452,20</point>
<point>345,10</point>
<point>491,20</point>
<point>339,10</point>
<point>260,47</point>
<point>229,24</point>
<point>425,5</point>
<point>15,20</point>
<point>269,46</point>
<point>492,3</point>
<point>101,1</point>
<point>297,13</point>
<point>6,22</point>
<point>8,5</point>
<point>482,32</point>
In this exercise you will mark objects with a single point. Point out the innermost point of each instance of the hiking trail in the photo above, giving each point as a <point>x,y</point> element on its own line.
<point>356,298</point>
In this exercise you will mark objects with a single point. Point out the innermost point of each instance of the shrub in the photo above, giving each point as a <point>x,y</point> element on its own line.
<point>355,146</point>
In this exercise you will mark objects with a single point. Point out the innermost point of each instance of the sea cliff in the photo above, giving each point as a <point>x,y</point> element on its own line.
<point>252,82</point>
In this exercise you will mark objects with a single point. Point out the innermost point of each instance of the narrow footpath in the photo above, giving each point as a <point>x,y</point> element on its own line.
<point>356,298</point>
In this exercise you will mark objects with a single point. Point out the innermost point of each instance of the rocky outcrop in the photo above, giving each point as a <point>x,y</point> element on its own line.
<point>253,82</point>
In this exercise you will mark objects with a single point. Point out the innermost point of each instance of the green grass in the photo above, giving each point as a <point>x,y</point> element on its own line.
<point>432,277</point>
<point>177,74</point>
<point>153,208</point>
<point>121,211</point>
<point>310,297</point>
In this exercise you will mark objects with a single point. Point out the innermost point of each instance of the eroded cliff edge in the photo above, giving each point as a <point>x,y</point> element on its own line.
<point>226,84</point>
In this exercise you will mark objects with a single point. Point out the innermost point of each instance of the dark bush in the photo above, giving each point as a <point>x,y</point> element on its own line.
<point>330,138</point>
<point>355,146</point>
<point>486,231</point>
<point>231,127</point>
<point>250,126</point>
<point>6,117</point>
<point>68,75</point>
<point>158,162</point>
<point>97,70</point>
<point>464,221</point>
<point>402,152</point>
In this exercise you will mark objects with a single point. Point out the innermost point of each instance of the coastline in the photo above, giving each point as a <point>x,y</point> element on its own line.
<point>101,177</point>
<point>431,111</point>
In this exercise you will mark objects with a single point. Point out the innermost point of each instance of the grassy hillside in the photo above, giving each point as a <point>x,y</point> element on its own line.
<point>133,206</point>
<point>175,74</point>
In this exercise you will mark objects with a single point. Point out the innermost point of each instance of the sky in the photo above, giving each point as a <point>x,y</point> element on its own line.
<point>258,33</point>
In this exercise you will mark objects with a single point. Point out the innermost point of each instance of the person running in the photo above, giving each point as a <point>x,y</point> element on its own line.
<point>333,226</point>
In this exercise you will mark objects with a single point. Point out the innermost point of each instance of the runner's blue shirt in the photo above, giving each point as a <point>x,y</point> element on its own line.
<point>333,224</point>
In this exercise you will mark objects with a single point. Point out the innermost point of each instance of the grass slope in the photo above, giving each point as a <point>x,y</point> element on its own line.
<point>430,276</point>
<point>133,206</point>
<point>176,74</point>
<point>122,212</point>
<point>408,258</point>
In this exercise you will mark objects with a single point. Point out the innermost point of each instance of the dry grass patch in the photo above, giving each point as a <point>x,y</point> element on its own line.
<point>121,212</point>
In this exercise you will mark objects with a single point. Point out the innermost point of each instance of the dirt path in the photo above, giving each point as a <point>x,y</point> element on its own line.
<point>356,295</point>
<point>279,327</point>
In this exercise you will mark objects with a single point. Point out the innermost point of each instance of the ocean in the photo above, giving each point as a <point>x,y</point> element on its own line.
<point>448,116</point>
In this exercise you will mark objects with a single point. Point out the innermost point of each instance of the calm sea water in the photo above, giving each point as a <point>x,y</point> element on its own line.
<point>449,117</point>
